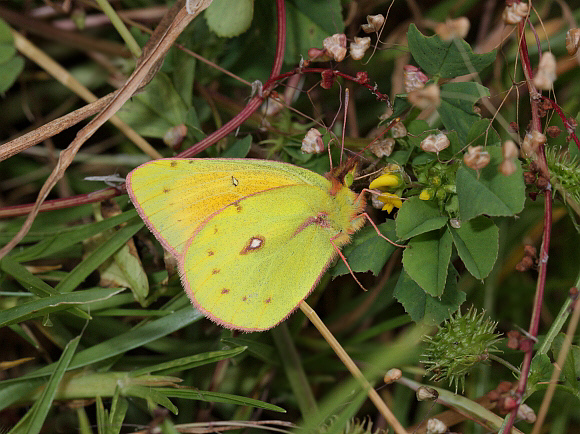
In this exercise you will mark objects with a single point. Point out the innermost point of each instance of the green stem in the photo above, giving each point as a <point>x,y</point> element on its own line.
<point>120,27</point>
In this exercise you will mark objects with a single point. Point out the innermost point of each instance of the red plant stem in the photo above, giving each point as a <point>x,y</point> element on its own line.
<point>543,262</point>
<point>567,124</point>
<point>256,101</point>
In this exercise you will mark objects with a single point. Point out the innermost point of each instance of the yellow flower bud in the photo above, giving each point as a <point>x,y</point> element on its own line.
<point>425,195</point>
<point>386,180</point>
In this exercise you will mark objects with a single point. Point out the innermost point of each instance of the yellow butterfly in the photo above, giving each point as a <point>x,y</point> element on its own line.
<point>252,237</point>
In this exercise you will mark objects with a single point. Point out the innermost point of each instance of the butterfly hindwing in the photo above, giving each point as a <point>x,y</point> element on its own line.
<point>250,264</point>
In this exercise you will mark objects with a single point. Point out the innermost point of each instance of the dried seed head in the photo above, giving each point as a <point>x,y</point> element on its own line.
<point>453,28</point>
<point>335,45</point>
<point>392,375</point>
<point>526,413</point>
<point>455,223</point>
<point>507,167</point>
<point>359,47</point>
<point>312,142</point>
<point>510,150</point>
<point>175,135</point>
<point>413,78</point>
<point>553,131</point>
<point>398,130</point>
<point>435,426</point>
<point>435,143</point>
<point>572,41</point>
<point>532,141</point>
<point>425,97</point>
<point>374,23</point>
<point>425,393</point>
<point>476,158</point>
<point>383,147</point>
<point>515,12</point>
<point>546,75</point>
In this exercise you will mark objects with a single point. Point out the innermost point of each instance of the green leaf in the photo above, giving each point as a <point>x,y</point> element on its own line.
<point>421,306</point>
<point>477,242</point>
<point>33,421</point>
<point>571,368</point>
<point>490,193</point>
<point>188,362</point>
<point>418,216</point>
<point>308,23</point>
<point>229,18</point>
<point>153,394</point>
<point>155,110</point>
<point>119,407</point>
<point>445,59</point>
<point>51,304</point>
<point>239,149</point>
<point>202,395</point>
<point>456,108</point>
<point>426,260</point>
<point>368,251</point>
<point>9,72</point>
<point>98,256</point>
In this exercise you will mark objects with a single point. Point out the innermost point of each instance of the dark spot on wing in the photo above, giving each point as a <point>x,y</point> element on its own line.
<point>225,291</point>
<point>215,271</point>
<point>215,230</point>
<point>173,163</point>
<point>166,189</point>
<point>190,161</point>
<point>268,300</point>
<point>244,298</point>
<point>253,244</point>
<point>210,253</point>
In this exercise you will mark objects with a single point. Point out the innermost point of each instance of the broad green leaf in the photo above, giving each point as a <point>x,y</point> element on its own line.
<point>426,260</point>
<point>418,216</point>
<point>445,59</point>
<point>54,303</point>
<point>308,23</point>
<point>239,148</point>
<point>368,251</point>
<point>490,192</point>
<point>155,110</point>
<point>9,72</point>
<point>421,306</point>
<point>477,242</point>
<point>456,108</point>
<point>229,18</point>
<point>571,368</point>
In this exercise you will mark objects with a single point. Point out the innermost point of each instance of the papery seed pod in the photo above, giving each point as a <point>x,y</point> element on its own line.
<point>507,167</point>
<point>572,41</point>
<point>435,143</point>
<point>374,23</point>
<point>382,147</point>
<point>435,426</point>
<point>335,45</point>
<point>392,375</point>
<point>413,78</point>
<point>515,12</point>
<point>476,158</point>
<point>399,130</point>
<point>359,47</point>
<point>425,97</point>
<point>546,74</point>
<point>455,223</point>
<point>175,135</point>
<point>510,150</point>
<point>312,142</point>
<point>425,393</point>
<point>453,28</point>
<point>526,413</point>
<point>318,55</point>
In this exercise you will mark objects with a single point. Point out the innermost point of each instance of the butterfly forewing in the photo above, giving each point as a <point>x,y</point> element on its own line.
<point>174,196</point>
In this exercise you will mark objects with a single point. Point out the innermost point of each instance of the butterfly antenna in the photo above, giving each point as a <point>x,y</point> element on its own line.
<point>346,263</point>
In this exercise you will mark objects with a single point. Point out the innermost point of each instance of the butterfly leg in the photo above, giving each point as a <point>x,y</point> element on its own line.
<point>379,232</point>
<point>345,262</point>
